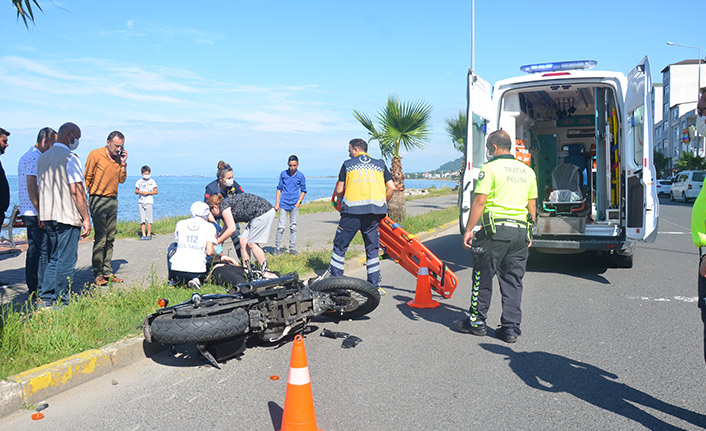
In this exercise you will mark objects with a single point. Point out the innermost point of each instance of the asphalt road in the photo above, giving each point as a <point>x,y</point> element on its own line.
<point>602,348</point>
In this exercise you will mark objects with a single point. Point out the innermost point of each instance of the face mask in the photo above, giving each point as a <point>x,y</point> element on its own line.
<point>146,177</point>
<point>490,151</point>
<point>701,125</point>
<point>228,183</point>
<point>74,144</point>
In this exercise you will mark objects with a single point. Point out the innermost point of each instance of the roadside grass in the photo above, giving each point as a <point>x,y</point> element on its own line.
<point>422,223</point>
<point>97,317</point>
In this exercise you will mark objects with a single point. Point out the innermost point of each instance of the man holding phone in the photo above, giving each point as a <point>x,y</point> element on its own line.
<point>105,168</point>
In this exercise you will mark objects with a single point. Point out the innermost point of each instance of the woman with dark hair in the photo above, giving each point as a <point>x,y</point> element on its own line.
<point>224,185</point>
<point>250,209</point>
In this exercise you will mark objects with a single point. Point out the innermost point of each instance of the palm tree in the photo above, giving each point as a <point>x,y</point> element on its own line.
<point>24,11</point>
<point>403,125</point>
<point>457,130</point>
<point>690,162</point>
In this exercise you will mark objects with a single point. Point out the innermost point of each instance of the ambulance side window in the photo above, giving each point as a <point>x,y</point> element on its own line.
<point>637,127</point>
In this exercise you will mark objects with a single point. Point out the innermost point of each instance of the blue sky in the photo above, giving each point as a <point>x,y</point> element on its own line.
<point>191,83</point>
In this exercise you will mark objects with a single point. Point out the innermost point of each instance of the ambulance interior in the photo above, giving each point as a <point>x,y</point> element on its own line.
<point>569,134</point>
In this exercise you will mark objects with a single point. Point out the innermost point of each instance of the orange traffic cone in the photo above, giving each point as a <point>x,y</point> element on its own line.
<point>422,296</point>
<point>299,402</point>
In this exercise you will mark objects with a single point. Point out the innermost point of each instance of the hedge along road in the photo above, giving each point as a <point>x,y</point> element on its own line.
<point>602,348</point>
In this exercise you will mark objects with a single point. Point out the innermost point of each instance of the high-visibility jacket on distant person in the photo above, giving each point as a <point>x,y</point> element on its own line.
<point>698,219</point>
<point>365,180</point>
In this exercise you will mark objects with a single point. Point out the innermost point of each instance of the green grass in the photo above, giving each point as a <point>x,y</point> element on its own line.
<point>433,192</point>
<point>423,222</point>
<point>98,317</point>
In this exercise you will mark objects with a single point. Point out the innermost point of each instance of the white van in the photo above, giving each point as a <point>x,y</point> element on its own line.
<point>687,185</point>
<point>588,136</point>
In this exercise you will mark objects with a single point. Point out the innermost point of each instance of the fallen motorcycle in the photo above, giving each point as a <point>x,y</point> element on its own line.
<point>267,308</point>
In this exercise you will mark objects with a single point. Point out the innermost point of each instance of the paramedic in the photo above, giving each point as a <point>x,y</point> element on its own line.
<point>505,196</point>
<point>698,221</point>
<point>364,186</point>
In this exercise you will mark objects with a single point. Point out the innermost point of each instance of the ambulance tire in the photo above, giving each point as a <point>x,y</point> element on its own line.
<point>623,260</point>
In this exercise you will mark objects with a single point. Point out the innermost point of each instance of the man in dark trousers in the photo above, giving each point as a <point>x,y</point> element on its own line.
<point>505,194</point>
<point>364,186</point>
<point>4,186</point>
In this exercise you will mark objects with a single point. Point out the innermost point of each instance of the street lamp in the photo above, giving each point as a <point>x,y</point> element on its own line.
<point>698,81</point>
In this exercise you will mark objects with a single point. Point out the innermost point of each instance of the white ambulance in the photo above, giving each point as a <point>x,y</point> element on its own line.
<point>588,136</point>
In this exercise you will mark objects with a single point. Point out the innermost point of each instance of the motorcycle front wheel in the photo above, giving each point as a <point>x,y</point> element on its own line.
<point>352,297</point>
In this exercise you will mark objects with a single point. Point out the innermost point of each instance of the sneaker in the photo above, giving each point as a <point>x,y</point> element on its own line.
<point>293,252</point>
<point>503,335</point>
<point>148,237</point>
<point>143,238</point>
<point>194,283</point>
<point>381,291</point>
<point>43,305</point>
<point>475,328</point>
<point>277,251</point>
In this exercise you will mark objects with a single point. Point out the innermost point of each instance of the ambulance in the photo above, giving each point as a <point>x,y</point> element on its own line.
<point>587,135</point>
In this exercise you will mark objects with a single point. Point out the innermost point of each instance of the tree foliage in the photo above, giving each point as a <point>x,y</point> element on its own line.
<point>457,128</point>
<point>24,10</point>
<point>399,126</point>
<point>690,162</point>
<point>661,163</point>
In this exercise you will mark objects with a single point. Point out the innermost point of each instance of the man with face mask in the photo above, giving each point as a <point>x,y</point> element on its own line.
<point>105,168</point>
<point>63,210</point>
<point>505,203</point>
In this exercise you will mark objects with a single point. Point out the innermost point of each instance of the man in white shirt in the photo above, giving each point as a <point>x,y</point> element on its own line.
<point>37,242</point>
<point>195,239</point>
<point>63,208</point>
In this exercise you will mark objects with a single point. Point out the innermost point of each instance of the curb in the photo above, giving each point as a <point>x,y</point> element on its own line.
<point>38,384</point>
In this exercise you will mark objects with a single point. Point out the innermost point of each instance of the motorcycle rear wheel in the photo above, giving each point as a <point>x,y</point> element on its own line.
<point>171,328</point>
<point>355,297</point>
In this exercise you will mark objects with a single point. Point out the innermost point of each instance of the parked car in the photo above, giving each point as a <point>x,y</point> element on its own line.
<point>664,187</point>
<point>687,185</point>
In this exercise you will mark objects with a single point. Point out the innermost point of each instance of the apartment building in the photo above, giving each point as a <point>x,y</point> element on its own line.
<point>674,107</point>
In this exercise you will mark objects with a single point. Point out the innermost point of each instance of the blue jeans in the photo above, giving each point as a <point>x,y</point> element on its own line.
<point>37,253</point>
<point>282,224</point>
<point>63,253</point>
<point>348,226</point>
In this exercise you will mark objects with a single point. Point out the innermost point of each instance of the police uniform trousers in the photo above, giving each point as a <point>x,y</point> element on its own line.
<point>702,306</point>
<point>504,254</point>
<point>348,226</point>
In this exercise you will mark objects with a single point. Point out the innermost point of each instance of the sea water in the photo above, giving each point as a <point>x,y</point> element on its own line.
<point>176,194</point>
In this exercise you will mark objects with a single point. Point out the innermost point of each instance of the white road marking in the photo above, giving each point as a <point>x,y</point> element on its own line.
<point>675,298</point>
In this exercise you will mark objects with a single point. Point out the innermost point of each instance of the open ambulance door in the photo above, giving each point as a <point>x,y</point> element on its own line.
<point>641,204</point>
<point>478,115</point>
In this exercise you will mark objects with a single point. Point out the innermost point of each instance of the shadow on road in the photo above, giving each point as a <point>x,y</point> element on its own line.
<point>588,266</point>
<point>555,373</point>
<point>444,314</point>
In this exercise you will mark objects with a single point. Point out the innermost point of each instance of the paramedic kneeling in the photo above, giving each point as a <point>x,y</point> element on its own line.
<point>506,192</point>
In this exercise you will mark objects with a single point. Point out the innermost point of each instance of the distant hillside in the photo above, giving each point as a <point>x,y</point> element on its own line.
<point>442,171</point>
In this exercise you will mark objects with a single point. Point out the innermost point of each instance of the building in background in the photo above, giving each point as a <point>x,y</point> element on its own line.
<point>675,110</point>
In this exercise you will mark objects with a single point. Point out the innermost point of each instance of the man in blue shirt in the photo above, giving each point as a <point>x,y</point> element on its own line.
<point>290,194</point>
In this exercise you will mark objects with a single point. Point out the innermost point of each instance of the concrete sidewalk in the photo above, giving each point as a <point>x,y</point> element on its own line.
<point>136,261</point>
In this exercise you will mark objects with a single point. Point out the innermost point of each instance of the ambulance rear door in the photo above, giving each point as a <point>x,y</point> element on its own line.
<point>641,204</point>
<point>479,115</point>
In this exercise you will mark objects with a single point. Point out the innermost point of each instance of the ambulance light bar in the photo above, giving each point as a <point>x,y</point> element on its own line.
<point>560,65</point>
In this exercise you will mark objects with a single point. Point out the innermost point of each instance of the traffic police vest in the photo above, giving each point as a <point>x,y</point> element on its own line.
<point>509,184</point>
<point>365,180</point>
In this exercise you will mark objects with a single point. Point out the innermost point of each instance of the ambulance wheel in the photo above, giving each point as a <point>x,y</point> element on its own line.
<point>623,260</point>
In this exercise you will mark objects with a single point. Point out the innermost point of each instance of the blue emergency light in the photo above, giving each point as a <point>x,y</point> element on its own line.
<point>558,66</point>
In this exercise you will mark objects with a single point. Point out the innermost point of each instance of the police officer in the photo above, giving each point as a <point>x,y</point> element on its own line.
<point>364,186</point>
<point>698,221</point>
<point>505,195</point>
